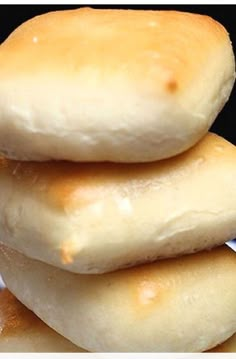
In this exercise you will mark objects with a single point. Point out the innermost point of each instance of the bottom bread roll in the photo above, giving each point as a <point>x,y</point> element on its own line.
<point>22,331</point>
<point>229,346</point>
<point>186,304</point>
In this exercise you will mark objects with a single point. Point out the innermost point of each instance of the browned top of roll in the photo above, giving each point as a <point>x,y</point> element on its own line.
<point>67,41</point>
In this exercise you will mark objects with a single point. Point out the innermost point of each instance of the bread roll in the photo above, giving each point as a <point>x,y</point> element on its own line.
<point>22,331</point>
<point>185,304</point>
<point>227,347</point>
<point>112,85</point>
<point>95,218</point>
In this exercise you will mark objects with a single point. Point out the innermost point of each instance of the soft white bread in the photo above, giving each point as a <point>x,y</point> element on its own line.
<point>186,304</point>
<point>22,331</point>
<point>115,85</point>
<point>94,218</point>
<point>70,214</point>
<point>227,347</point>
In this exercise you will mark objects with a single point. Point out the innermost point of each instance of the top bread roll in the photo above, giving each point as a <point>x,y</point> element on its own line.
<point>111,85</point>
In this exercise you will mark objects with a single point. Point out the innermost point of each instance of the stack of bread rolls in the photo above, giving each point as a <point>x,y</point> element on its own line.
<point>116,201</point>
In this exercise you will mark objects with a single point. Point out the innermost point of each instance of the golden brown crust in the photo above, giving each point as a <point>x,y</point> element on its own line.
<point>15,318</point>
<point>155,285</point>
<point>22,331</point>
<point>123,86</point>
<point>227,347</point>
<point>74,185</point>
<point>129,42</point>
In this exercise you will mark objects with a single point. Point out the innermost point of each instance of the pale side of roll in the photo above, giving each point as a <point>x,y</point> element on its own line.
<point>229,346</point>
<point>22,331</point>
<point>186,304</point>
<point>95,218</point>
<point>114,85</point>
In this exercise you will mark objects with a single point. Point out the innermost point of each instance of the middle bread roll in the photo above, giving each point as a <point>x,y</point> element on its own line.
<point>95,218</point>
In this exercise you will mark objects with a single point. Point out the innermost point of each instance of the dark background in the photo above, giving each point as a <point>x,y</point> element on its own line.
<point>13,15</point>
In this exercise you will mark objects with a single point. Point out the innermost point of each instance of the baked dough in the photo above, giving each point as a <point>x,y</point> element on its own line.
<point>227,347</point>
<point>112,85</point>
<point>95,218</point>
<point>186,304</point>
<point>21,331</point>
